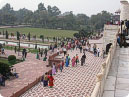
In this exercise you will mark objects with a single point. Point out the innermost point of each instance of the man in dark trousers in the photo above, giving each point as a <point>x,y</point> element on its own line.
<point>82,61</point>
<point>80,48</point>
<point>23,53</point>
<point>84,58</point>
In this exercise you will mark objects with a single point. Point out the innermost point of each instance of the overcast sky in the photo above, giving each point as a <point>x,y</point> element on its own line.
<point>87,7</point>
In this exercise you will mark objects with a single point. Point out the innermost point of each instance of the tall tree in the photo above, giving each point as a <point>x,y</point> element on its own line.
<point>6,34</point>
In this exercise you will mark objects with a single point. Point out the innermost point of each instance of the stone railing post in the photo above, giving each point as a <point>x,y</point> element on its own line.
<point>103,67</point>
<point>97,89</point>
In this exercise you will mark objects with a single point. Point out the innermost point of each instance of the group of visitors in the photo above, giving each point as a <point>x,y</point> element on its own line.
<point>24,53</point>
<point>96,51</point>
<point>48,80</point>
<point>57,67</point>
<point>42,52</point>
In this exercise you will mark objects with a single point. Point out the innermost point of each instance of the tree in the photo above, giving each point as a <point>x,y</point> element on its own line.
<point>41,7</point>
<point>77,35</point>
<point>28,36</point>
<point>100,19</point>
<point>6,34</point>
<point>55,11</point>
<point>4,68</point>
<point>18,35</point>
<point>42,37</point>
<point>52,18</point>
<point>7,15</point>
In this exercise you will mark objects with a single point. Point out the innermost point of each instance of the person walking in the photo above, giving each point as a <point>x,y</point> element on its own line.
<point>53,69</point>
<point>23,53</point>
<point>53,48</point>
<point>37,55</point>
<point>26,51</point>
<point>45,52</point>
<point>73,61</point>
<point>2,50</point>
<point>82,61</point>
<point>98,52</point>
<point>58,51</point>
<point>45,80</point>
<point>41,52</point>
<point>2,80</point>
<point>64,50</point>
<point>67,61</point>
<point>95,52</point>
<point>103,54</point>
<point>51,81</point>
<point>62,65</point>
<point>77,59</point>
<point>84,57</point>
<point>68,58</point>
<point>80,48</point>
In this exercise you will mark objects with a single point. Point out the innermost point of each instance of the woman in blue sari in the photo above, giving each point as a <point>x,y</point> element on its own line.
<point>67,61</point>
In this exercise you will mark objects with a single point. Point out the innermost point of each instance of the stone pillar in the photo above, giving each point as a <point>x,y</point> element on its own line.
<point>124,10</point>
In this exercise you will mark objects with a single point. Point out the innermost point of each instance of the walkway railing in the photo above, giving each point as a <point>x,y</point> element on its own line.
<point>101,77</point>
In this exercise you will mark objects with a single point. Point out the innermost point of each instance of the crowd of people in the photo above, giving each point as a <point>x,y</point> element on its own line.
<point>82,45</point>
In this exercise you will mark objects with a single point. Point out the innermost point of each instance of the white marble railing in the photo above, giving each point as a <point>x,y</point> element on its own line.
<point>101,77</point>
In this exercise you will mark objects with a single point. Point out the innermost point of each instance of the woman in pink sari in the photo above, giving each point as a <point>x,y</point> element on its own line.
<point>73,61</point>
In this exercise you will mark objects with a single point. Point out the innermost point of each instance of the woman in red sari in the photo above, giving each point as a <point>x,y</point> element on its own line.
<point>51,80</point>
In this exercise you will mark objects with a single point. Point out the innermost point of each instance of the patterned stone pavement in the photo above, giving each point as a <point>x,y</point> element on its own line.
<point>76,81</point>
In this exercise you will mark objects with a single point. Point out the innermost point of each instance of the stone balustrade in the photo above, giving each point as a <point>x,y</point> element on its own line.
<point>101,77</point>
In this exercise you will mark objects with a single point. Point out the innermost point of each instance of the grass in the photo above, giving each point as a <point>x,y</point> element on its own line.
<point>41,31</point>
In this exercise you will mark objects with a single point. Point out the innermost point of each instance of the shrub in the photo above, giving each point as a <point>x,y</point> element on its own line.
<point>12,59</point>
<point>4,68</point>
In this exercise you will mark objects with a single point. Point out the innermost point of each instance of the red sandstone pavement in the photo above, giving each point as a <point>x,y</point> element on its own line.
<point>33,68</point>
<point>28,71</point>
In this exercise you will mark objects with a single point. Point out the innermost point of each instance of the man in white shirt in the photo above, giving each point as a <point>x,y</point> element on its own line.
<point>98,51</point>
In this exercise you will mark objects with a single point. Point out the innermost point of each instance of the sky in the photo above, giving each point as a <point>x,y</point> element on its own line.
<point>88,7</point>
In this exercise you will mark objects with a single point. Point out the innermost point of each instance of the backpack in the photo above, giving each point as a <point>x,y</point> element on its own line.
<point>45,78</point>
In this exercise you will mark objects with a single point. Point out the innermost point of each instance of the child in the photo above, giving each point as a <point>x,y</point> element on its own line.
<point>51,80</point>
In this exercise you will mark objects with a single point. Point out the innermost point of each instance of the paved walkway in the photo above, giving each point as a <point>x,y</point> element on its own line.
<point>73,81</point>
<point>117,83</point>
<point>28,71</point>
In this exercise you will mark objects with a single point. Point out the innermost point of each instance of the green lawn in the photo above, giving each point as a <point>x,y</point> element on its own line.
<point>41,31</point>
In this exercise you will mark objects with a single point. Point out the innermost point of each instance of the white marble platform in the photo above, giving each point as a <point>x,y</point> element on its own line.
<point>117,83</point>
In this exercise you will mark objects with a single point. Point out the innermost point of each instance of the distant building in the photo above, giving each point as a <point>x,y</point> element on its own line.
<point>116,17</point>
